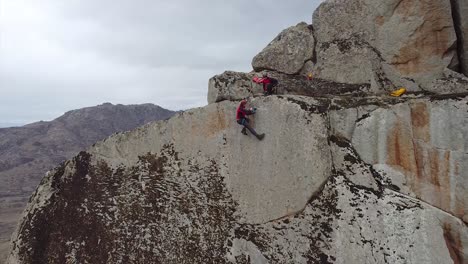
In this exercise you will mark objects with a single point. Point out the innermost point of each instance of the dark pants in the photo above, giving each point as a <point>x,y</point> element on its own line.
<point>269,88</point>
<point>245,122</point>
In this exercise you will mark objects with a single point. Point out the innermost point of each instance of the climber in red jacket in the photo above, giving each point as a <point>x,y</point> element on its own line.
<point>241,117</point>
<point>268,83</point>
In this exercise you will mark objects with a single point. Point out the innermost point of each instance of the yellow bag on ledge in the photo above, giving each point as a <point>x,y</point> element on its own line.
<point>398,92</point>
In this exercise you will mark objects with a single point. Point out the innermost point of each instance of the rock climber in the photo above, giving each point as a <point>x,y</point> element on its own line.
<point>241,116</point>
<point>268,83</point>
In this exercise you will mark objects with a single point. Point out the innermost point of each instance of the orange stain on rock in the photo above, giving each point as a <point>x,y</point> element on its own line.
<point>435,168</point>
<point>216,123</point>
<point>380,20</point>
<point>427,168</point>
<point>459,206</point>
<point>439,177</point>
<point>405,8</point>
<point>400,148</point>
<point>212,125</point>
<point>420,121</point>
<point>432,38</point>
<point>454,244</point>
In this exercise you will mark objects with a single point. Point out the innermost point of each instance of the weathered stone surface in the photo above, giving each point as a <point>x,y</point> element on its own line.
<point>346,224</point>
<point>413,41</point>
<point>341,19</point>
<point>237,85</point>
<point>304,194</point>
<point>345,61</point>
<point>348,163</point>
<point>452,82</point>
<point>420,147</point>
<point>231,86</point>
<point>157,178</point>
<point>418,38</point>
<point>344,52</point>
<point>257,184</point>
<point>308,68</point>
<point>288,52</point>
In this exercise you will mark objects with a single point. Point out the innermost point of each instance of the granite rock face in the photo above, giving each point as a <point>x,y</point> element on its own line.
<point>238,85</point>
<point>411,40</point>
<point>307,193</point>
<point>288,52</point>
<point>372,47</point>
<point>387,45</point>
<point>231,86</point>
<point>423,148</point>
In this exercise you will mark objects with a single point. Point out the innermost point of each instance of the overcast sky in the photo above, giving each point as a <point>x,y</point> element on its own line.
<point>59,55</point>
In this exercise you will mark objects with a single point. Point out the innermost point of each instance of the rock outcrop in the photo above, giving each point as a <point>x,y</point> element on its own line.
<point>372,47</point>
<point>238,85</point>
<point>288,52</point>
<point>388,45</point>
<point>307,193</point>
<point>231,86</point>
<point>409,41</point>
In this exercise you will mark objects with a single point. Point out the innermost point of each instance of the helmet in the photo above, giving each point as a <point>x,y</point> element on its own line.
<point>243,101</point>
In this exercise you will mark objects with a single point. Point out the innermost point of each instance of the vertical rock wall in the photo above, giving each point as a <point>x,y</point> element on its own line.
<point>408,42</point>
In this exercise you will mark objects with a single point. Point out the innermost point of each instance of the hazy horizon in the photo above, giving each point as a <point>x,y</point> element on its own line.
<point>7,125</point>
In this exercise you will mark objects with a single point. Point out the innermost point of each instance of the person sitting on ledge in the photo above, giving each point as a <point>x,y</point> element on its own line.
<point>268,83</point>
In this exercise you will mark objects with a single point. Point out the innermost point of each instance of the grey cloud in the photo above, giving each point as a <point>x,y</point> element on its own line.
<point>158,33</point>
<point>84,52</point>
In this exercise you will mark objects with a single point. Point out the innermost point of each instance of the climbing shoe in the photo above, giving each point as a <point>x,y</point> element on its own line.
<point>244,131</point>
<point>261,136</point>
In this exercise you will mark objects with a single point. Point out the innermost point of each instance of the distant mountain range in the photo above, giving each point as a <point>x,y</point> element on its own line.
<point>27,152</point>
<point>8,124</point>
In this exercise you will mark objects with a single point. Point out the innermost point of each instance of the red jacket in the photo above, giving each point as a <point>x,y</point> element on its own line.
<point>242,112</point>
<point>265,81</point>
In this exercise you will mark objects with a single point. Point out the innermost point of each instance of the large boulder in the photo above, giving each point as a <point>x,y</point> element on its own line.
<point>347,61</point>
<point>406,43</point>
<point>288,52</point>
<point>231,86</point>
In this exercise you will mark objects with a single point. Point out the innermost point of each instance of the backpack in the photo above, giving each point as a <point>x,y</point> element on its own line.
<point>273,81</point>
